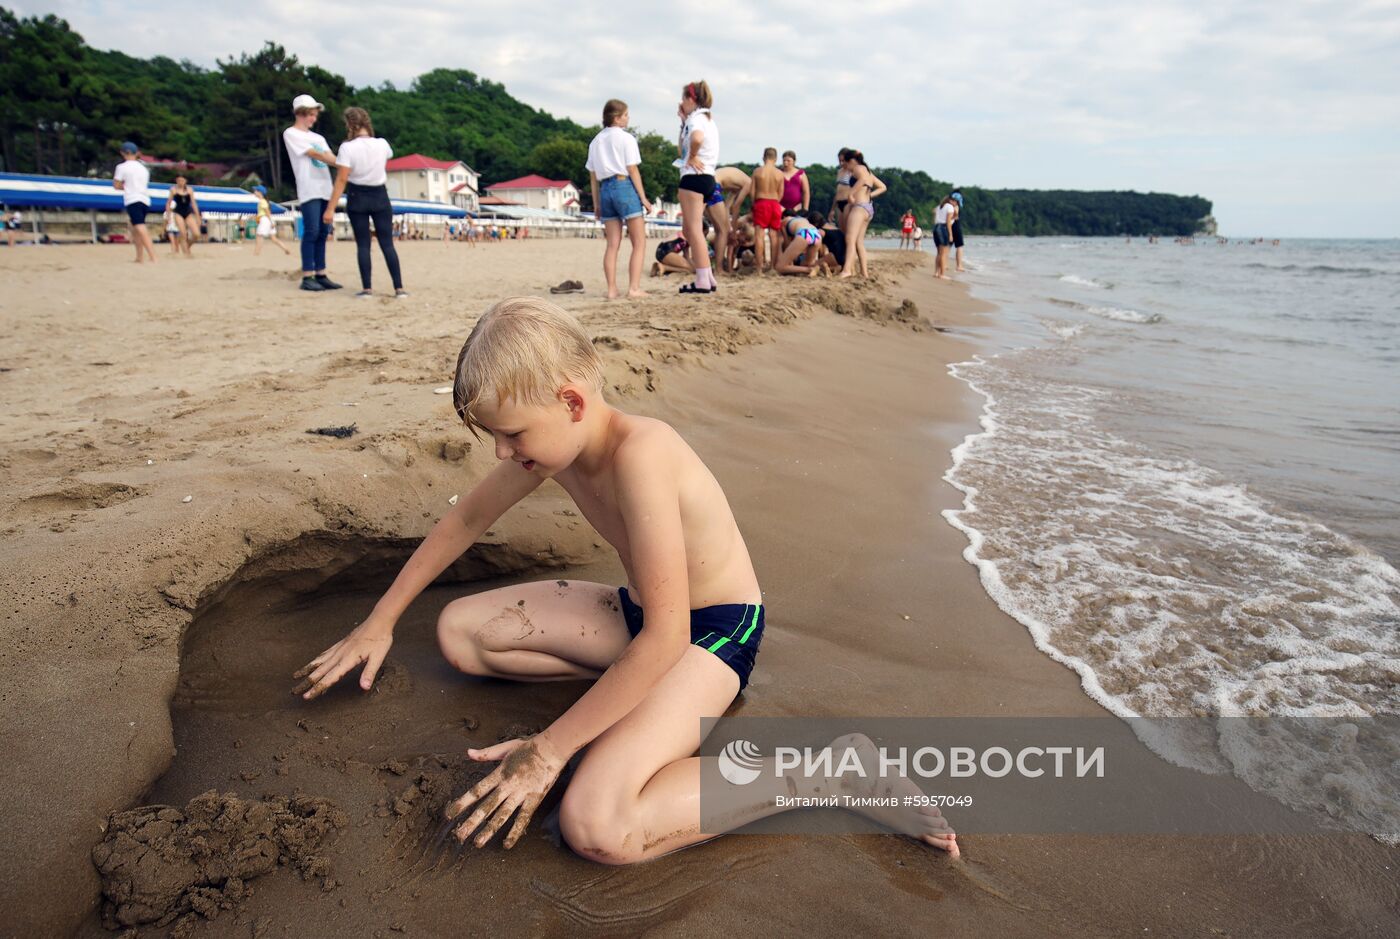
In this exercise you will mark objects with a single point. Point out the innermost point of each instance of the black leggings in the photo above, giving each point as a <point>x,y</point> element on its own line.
<point>384,231</point>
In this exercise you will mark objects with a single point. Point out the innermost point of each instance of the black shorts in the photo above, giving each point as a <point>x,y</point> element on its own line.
<point>703,183</point>
<point>957,234</point>
<point>730,631</point>
<point>136,212</point>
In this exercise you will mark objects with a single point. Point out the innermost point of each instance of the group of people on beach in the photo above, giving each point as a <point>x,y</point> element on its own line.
<point>947,232</point>
<point>781,232</point>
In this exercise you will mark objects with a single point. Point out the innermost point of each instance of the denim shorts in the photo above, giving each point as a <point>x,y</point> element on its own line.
<point>618,199</point>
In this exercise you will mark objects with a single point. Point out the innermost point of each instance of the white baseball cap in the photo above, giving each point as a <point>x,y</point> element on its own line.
<point>305,101</point>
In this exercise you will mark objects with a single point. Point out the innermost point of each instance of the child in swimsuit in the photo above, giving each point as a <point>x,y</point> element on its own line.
<point>672,647</point>
<point>804,238</point>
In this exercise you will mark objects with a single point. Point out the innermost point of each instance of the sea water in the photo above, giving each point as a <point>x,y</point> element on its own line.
<point>1185,487</point>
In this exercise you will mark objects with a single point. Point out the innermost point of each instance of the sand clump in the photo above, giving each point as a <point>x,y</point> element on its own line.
<point>160,864</point>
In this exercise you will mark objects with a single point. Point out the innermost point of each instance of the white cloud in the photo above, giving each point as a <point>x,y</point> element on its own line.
<point>1024,94</point>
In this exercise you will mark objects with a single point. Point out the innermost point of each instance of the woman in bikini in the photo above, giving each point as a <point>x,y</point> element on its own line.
<point>184,209</point>
<point>865,189</point>
<point>842,197</point>
<point>804,234</point>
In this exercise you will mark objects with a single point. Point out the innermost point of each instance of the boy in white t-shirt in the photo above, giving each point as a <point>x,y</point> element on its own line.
<point>311,159</point>
<point>134,181</point>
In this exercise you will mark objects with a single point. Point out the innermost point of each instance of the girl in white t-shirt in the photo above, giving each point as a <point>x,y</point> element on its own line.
<point>619,196</point>
<point>699,147</point>
<point>360,174</point>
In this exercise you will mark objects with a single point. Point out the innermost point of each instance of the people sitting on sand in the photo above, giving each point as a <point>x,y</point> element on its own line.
<point>361,174</point>
<point>530,379</point>
<point>804,237</point>
<point>797,190</point>
<point>699,149</point>
<point>134,181</point>
<point>833,258</point>
<point>865,189</point>
<point>619,196</point>
<point>671,258</point>
<point>740,247</point>
<point>768,209</point>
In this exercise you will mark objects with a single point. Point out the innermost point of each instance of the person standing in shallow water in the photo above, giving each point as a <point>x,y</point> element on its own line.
<point>311,158</point>
<point>619,196</point>
<point>699,146</point>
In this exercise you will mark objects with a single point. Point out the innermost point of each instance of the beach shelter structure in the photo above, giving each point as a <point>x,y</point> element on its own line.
<point>23,190</point>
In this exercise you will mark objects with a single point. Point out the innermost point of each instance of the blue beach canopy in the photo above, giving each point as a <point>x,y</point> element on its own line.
<point>76,192</point>
<point>414,207</point>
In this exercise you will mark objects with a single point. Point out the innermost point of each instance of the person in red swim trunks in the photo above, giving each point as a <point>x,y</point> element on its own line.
<point>768,208</point>
<point>906,229</point>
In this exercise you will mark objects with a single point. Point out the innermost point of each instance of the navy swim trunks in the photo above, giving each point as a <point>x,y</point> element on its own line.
<point>732,631</point>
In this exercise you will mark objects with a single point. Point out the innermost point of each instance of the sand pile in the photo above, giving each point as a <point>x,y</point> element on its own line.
<point>160,864</point>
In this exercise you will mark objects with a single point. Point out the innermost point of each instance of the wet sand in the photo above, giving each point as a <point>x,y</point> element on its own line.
<point>150,641</point>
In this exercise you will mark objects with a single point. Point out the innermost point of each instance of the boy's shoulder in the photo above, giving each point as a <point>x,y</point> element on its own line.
<point>645,445</point>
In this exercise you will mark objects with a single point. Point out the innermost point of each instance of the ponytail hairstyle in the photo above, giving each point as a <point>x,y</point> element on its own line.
<point>356,120</point>
<point>857,156</point>
<point>699,92</point>
<point>612,111</point>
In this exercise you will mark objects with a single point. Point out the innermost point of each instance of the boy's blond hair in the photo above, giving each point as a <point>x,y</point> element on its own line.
<point>522,349</point>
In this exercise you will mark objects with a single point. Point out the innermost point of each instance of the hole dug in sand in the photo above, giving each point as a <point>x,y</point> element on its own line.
<point>345,790</point>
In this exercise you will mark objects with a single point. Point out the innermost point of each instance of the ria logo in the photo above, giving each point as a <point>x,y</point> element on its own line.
<point>739,762</point>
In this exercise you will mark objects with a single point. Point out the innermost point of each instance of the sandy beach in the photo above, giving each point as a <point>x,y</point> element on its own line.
<point>150,640</point>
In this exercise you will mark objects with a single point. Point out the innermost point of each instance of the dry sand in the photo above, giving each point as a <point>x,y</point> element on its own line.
<point>149,641</point>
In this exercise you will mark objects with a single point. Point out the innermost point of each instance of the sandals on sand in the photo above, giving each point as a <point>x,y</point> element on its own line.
<point>695,288</point>
<point>568,286</point>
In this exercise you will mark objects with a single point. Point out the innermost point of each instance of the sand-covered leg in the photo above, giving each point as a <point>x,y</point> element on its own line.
<point>548,630</point>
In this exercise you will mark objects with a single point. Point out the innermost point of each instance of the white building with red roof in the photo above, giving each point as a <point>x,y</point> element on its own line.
<point>450,182</point>
<point>537,192</point>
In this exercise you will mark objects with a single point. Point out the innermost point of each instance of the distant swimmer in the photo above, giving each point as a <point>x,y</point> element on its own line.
<point>906,229</point>
<point>134,181</point>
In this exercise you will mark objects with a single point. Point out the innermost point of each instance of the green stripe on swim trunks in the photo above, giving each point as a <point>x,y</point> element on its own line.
<point>721,641</point>
<point>752,625</point>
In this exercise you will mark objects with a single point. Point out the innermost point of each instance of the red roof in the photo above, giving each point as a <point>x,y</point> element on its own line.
<point>460,186</point>
<point>497,200</point>
<point>416,161</point>
<point>533,181</point>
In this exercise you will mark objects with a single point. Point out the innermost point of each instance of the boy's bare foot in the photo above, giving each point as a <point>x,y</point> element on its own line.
<point>637,294</point>
<point>612,294</point>
<point>923,823</point>
<point>845,274</point>
<point>655,268</point>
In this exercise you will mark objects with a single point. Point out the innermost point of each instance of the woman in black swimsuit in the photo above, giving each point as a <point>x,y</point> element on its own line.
<point>184,207</point>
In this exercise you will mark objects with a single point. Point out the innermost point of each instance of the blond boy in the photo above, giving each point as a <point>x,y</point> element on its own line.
<point>529,376</point>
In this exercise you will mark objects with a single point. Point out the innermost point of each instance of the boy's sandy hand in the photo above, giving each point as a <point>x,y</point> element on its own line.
<point>368,643</point>
<point>528,770</point>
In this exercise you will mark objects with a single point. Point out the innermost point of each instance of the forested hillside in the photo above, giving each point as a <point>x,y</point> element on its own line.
<point>64,108</point>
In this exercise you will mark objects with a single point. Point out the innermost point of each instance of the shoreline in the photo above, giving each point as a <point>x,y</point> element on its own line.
<point>836,482</point>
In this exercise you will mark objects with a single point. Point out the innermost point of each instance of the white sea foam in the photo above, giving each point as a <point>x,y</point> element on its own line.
<point>1083,281</point>
<point>1063,329</point>
<point>1172,590</point>
<point>1122,315</point>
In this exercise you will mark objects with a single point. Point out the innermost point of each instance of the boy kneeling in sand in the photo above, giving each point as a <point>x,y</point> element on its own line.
<point>529,376</point>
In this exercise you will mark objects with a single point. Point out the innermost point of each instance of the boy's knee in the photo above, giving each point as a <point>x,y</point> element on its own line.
<point>594,831</point>
<point>457,638</point>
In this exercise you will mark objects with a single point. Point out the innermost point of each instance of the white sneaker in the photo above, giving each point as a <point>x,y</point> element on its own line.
<point>400,294</point>
<point>365,295</point>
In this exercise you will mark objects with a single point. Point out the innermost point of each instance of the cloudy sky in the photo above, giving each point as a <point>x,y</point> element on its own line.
<point>1286,113</point>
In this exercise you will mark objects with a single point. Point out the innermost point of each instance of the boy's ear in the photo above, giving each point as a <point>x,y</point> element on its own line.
<point>574,400</point>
